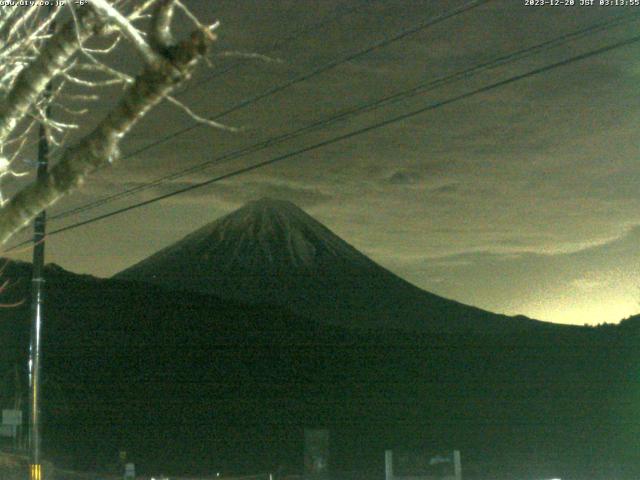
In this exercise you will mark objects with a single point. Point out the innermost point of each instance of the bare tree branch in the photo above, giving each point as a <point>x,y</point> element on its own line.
<point>100,147</point>
<point>38,56</point>
<point>161,36</point>
<point>111,15</point>
<point>253,56</point>
<point>52,59</point>
<point>198,118</point>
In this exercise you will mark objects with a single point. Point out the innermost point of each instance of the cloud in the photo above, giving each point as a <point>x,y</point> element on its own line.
<point>404,177</point>
<point>509,197</point>
<point>595,284</point>
<point>446,189</point>
<point>588,285</point>
<point>240,192</point>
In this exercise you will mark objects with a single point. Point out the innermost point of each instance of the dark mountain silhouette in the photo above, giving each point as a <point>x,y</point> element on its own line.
<point>270,251</point>
<point>190,384</point>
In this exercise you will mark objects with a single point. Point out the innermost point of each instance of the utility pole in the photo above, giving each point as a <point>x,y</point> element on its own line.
<point>37,304</point>
<point>37,298</point>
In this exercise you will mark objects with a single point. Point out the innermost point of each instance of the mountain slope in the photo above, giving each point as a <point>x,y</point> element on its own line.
<point>271,251</point>
<point>191,384</point>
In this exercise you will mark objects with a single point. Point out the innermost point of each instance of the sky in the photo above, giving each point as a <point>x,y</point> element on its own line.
<point>522,199</point>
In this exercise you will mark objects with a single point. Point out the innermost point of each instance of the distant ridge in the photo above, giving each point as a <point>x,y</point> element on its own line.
<point>271,251</point>
<point>173,372</point>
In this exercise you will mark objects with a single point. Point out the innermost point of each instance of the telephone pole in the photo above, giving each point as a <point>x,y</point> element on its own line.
<point>37,298</point>
<point>37,304</point>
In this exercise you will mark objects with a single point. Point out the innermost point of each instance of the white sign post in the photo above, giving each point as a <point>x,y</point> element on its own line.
<point>457,465</point>
<point>388,465</point>
<point>129,471</point>
<point>11,420</point>
<point>417,466</point>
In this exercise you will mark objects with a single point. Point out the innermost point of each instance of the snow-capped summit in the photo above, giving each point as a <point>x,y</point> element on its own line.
<point>273,234</point>
<point>270,251</point>
<point>262,238</point>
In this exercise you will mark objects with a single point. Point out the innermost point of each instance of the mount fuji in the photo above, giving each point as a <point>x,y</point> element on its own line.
<point>272,252</point>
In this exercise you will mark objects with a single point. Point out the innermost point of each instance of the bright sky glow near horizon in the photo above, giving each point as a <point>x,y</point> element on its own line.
<point>520,200</point>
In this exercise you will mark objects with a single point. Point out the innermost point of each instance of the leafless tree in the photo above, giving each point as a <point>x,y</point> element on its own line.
<point>65,67</point>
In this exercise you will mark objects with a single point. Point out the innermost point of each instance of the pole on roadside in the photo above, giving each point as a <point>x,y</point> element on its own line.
<point>37,302</point>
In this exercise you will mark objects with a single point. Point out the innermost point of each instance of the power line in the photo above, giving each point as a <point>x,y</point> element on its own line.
<point>421,88</point>
<point>324,68</point>
<point>340,13</point>
<point>355,133</point>
<point>457,11</point>
<point>306,76</point>
<point>279,43</point>
<point>347,10</point>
